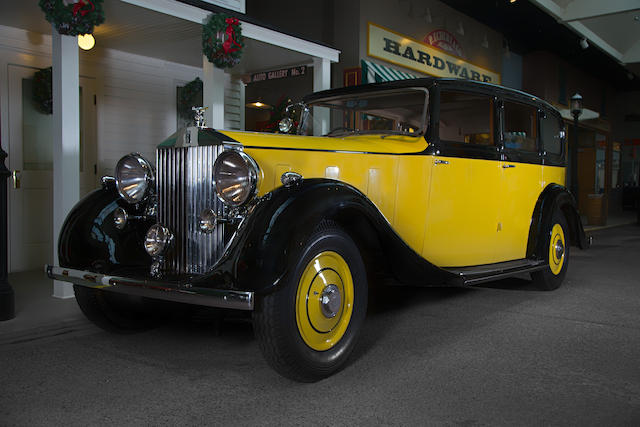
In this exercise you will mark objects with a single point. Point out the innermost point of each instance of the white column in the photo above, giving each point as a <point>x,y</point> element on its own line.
<point>213,94</point>
<point>321,81</point>
<point>66,140</point>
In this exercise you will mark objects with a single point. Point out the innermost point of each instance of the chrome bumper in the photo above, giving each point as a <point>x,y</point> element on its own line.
<point>152,289</point>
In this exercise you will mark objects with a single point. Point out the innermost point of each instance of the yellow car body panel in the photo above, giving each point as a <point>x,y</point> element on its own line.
<point>453,211</point>
<point>463,212</point>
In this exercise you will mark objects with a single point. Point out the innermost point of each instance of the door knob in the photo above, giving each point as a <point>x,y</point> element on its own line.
<point>15,177</point>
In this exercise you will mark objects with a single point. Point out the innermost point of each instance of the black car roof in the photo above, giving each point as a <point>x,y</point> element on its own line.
<point>427,82</point>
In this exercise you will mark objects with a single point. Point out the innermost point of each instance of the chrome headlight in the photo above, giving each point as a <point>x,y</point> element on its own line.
<point>134,178</point>
<point>236,177</point>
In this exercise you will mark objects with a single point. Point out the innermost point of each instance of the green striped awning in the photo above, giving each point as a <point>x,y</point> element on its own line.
<point>374,73</point>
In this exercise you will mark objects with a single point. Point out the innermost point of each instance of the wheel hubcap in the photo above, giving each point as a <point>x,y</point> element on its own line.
<point>559,249</point>
<point>556,249</point>
<point>324,301</point>
<point>330,301</point>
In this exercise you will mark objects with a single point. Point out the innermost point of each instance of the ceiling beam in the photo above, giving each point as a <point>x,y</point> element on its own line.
<point>585,9</point>
<point>249,30</point>
<point>596,40</point>
<point>633,54</point>
<point>559,13</point>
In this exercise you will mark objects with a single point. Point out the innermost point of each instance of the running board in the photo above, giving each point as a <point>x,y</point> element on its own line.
<point>485,273</point>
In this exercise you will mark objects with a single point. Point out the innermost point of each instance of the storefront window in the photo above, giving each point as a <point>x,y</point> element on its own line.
<point>615,165</point>
<point>601,147</point>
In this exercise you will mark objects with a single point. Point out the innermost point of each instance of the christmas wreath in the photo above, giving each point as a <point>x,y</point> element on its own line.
<point>73,17</point>
<point>42,95</point>
<point>222,40</point>
<point>190,95</point>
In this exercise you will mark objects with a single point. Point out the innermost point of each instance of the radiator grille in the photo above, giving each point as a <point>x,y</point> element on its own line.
<point>185,188</point>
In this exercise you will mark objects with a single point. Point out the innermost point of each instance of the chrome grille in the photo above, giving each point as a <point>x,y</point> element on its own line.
<point>185,188</point>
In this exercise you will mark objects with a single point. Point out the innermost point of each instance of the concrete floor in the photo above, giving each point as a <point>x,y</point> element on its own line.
<point>503,354</point>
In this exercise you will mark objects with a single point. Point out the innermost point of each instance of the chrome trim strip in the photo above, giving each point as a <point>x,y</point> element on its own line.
<point>221,298</point>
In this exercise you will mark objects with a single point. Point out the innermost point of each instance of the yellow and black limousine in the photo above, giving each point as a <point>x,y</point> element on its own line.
<point>438,182</point>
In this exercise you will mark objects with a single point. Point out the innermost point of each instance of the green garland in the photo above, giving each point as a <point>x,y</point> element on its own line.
<point>73,18</point>
<point>222,41</point>
<point>42,92</point>
<point>188,98</point>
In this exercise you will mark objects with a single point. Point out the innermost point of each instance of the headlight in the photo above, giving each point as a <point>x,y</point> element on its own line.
<point>236,177</point>
<point>134,178</point>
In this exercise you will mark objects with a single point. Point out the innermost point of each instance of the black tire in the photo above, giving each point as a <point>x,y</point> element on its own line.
<point>117,312</point>
<point>553,275</point>
<point>275,319</point>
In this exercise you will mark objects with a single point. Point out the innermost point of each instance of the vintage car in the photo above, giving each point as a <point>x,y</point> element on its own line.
<point>437,182</point>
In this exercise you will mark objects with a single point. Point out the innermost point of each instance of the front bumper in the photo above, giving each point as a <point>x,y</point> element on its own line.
<point>237,300</point>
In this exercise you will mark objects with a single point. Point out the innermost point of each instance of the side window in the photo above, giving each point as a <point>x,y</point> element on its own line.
<point>551,134</point>
<point>520,127</point>
<point>466,118</point>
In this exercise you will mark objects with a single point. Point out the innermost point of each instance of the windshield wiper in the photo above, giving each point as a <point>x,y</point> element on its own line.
<point>344,130</point>
<point>396,132</point>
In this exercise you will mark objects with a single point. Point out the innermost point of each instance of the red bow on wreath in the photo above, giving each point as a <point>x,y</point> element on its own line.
<point>231,33</point>
<point>83,8</point>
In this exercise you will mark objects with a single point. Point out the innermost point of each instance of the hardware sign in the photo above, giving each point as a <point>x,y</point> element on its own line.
<point>400,50</point>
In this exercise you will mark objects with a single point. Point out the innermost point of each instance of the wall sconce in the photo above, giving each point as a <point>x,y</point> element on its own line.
<point>259,105</point>
<point>485,42</point>
<point>86,41</point>
<point>584,43</point>
<point>460,28</point>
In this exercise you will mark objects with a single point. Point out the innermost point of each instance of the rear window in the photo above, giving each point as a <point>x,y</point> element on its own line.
<point>551,132</point>
<point>520,127</point>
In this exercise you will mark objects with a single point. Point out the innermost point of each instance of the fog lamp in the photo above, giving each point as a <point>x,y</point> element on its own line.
<point>157,240</point>
<point>208,221</point>
<point>120,218</point>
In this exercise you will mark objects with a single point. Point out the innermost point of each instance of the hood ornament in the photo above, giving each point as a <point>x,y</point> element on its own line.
<point>199,116</point>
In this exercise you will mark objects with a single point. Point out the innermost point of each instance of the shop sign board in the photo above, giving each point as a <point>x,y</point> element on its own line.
<point>401,50</point>
<point>279,74</point>
<point>443,39</point>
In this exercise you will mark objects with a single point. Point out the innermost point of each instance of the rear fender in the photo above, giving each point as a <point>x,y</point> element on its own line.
<point>554,197</point>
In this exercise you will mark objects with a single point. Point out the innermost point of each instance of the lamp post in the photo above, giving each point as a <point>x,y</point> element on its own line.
<point>576,111</point>
<point>7,298</point>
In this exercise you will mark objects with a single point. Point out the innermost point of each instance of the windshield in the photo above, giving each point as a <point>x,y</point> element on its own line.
<point>401,111</point>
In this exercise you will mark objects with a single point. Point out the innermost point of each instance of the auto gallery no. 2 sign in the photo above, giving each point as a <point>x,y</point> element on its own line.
<point>401,50</point>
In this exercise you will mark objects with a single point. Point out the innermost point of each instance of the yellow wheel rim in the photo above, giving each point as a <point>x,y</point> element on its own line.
<point>556,249</point>
<point>324,301</point>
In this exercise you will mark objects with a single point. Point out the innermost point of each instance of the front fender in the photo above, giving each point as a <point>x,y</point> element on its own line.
<point>268,240</point>
<point>89,240</point>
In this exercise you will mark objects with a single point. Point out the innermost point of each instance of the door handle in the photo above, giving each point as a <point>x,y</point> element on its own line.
<point>508,166</point>
<point>15,177</point>
<point>441,162</point>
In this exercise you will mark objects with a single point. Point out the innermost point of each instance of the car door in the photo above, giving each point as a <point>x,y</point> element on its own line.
<point>522,178</point>
<point>464,199</point>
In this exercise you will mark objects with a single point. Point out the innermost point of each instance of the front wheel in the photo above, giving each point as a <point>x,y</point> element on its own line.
<point>308,327</point>
<point>557,238</point>
<point>117,312</point>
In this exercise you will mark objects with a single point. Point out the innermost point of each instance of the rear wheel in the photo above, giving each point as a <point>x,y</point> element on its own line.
<point>557,242</point>
<point>308,327</point>
<point>117,312</point>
